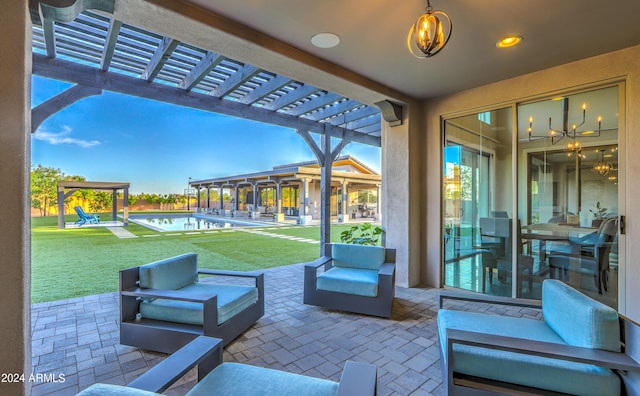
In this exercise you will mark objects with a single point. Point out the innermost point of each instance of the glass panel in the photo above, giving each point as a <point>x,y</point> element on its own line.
<point>568,194</point>
<point>477,201</point>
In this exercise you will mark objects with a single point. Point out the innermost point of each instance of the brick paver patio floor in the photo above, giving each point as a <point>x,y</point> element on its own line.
<point>79,338</point>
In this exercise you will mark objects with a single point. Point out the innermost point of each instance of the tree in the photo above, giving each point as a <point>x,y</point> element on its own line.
<point>82,195</point>
<point>44,187</point>
<point>101,201</point>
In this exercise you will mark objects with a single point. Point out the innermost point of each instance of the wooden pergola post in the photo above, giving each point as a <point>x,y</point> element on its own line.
<point>325,155</point>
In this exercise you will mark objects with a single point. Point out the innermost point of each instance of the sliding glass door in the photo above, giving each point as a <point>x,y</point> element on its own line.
<point>532,192</point>
<point>476,217</point>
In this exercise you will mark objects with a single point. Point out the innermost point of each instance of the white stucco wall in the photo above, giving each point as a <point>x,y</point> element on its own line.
<point>15,159</point>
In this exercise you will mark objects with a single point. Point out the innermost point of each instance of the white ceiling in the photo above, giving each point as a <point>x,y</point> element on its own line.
<point>373,36</point>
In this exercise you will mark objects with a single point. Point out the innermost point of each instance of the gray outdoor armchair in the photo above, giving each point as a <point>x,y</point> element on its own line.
<point>237,379</point>
<point>578,348</point>
<point>164,305</point>
<point>355,278</point>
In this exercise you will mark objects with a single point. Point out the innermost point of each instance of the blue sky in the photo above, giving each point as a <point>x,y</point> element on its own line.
<point>156,146</point>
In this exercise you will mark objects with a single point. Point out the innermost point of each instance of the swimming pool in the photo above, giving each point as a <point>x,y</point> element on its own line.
<point>166,223</point>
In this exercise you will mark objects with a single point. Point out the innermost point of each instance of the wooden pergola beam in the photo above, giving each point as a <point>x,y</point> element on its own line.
<point>60,101</point>
<point>314,104</point>
<point>246,73</point>
<point>292,97</point>
<point>364,122</point>
<point>208,63</point>
<point>88,76</point>
<point>265,89</point>
<point>354,115</point>
<point>338,108</point>
<point>159,58</point>
<point>110,44</point>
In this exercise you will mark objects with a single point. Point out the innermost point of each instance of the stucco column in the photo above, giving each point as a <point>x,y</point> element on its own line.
<point>345,201</point>
<point>15,158</point>
<point>401,191</point>
<point>278,197</point>
<point>254,195</point>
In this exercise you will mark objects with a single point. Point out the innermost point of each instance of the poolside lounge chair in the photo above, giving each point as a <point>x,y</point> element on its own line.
<point>85,218</point>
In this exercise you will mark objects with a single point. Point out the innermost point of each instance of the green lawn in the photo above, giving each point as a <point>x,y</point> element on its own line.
<point>84,261</point>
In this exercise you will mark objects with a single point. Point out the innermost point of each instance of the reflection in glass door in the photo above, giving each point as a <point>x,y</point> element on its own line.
<point>569,208</point>
<point>476,223</point>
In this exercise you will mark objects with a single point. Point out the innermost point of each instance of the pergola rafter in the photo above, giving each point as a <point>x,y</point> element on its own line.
<point>92,77</point>
<point>202,69</point>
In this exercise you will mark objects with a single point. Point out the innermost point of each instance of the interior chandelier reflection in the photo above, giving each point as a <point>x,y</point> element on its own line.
<point>557,135</point>
<point>602,167</point>
<point>574,147</point>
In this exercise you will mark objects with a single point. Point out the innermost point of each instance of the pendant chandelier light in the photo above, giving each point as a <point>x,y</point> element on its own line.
<point>429,34</point>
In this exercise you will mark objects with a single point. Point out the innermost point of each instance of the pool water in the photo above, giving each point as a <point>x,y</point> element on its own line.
<point>187,223</point>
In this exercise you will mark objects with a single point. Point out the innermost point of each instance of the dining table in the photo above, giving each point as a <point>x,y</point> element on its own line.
<point>555,232</point>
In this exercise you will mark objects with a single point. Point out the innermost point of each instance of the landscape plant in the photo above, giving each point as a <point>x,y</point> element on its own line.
<point>362,234</point>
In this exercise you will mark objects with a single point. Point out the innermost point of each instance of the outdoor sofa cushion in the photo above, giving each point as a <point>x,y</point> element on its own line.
<point>567,311</point>
<point>578,319</point>
<point>357,256</point>
<point>113,390</point>
<point>181,273</point>
<point>237,379</point>
<point>171,273</point>
<point>232,299</point>
<point>240,379</point>
<point>355,270</point>
<point>361,282</point>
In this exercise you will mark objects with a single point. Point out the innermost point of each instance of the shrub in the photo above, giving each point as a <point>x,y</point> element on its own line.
<point>362,234</point>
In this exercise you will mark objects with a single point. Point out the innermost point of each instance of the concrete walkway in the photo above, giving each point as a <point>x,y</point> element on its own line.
<point>122,232</point>
<point>79,339</point>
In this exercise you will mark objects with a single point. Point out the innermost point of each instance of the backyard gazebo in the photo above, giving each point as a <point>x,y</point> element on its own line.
<point>66,188</point>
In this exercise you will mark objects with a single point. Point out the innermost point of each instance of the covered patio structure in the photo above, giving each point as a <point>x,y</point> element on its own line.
<point>66,188</point>
<point>303,181</point>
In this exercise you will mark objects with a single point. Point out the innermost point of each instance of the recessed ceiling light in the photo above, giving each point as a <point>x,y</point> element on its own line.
<point>509,41</point>
<point>325,40</point>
